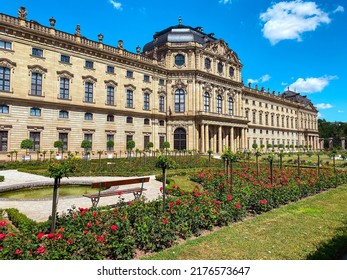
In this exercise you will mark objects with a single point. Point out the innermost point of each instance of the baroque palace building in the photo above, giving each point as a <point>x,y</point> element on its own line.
<point>184,87</point>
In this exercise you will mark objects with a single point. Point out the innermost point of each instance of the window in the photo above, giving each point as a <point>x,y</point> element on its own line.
<point>64,137</point>
<point>179,59</point>
<point>129,120</point>
<point>161,142</point>
<point>89,64</point>
<point>35,137</point>
<point>260,118</point>
<point>220,67</point>
<point>109,137</point>
<point>89,137</point>
<point>36,84</point>
<point>253,102</point>
<point>230,105</point>
<point>246,101</point>
<point>4,109</point>
<point>37,52</point>
<point>35,112</point>
<point>146,121</point>
<point>129,99</point>
<point>272,120</point>
<point>231,71</point>
<point>246,115</point>
<point>88,92</point>
<point>110,118</point>
<point>146,78</point>
<point>266,119</point>
<point>129,74</point>
<point>161,103</point>
<point>110,69</point>
<point>64,88</point>
<point>146,101</point>
<point>63,114</point>
<point>161,123</point>
<point>4,79</point>
<point>219,104</point>
<point>88,116</point>
<point>3,141</point>
<point>65,58</point>
<point>179,101</point>
<point>161,82</point>
<point>145,141</point>
<point>207,63</point>
<point>260,104</point>
<point>5,45</point>
<point>278,121</point>
<point>128,138</point>
<point>180,137</point>
<point>207,102</point>
<point>110,95</point>
<point>253,117</point>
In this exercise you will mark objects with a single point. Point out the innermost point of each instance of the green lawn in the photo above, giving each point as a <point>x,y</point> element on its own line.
<point>314,228</point>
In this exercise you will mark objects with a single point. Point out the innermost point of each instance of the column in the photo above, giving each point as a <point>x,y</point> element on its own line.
<point>232,142</point>
<point>202,137</point>
<point>226,140</point>
<point>214,144</point>
<point>207,146</point>
<point>220,142</point>
<point>244,138</point>
<point>343,143</point>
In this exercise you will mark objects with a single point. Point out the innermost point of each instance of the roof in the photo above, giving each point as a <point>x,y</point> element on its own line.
<point>179,34</point>
<point>297,97</point>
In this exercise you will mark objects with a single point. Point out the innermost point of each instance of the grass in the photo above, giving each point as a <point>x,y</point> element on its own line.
<point>313,228</point>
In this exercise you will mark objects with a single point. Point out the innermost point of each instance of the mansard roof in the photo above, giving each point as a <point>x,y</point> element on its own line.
<point>297,97</point>
<point>179,34</point>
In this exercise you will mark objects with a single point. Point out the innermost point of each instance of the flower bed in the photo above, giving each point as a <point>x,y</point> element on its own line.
<point>117,233</point>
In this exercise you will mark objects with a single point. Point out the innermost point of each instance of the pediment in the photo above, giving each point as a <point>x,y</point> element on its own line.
<point>221,48</point>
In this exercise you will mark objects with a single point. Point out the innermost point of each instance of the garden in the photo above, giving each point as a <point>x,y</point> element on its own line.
<point>219,193</point>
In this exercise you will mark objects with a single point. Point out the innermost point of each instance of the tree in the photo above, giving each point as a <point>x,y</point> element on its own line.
<point>58,170</point>
<point>210,152</point>
<point>86,144</point>
<point>27,144</point>
<point>254,146</point>
<point>230,158</point>
<point>164,162</point>
<point>59,145</point>
<point>130,146</point>
<point>110,145</point>
<point>166,146</point>
<point>257,155</point>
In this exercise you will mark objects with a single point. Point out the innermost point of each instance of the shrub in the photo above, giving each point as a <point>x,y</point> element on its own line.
<point>2,178</point>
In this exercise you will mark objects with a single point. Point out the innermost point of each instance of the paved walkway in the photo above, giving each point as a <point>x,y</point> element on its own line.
<point>40,210</point>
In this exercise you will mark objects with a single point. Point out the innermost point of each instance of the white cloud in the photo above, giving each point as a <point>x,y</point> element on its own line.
<point>320,116</point>
<point>288,20</point>
<point>284,84</point>
<point>323,106</point>
<point>311,85</point>
<point>339,9</point>
<point>225,1</point>
<point>262,79</point>
<point>340,111</point>
<point>116,5</point>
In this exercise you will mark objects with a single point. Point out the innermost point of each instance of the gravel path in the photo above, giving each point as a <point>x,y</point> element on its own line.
<point>40,210</point>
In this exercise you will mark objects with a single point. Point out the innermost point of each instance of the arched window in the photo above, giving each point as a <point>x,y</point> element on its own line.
<point>63,114</point>
<point>179,101</point>
<point>231,71</point>
<point>110,118</point>
<point>220,67</point>
<point>4,109</point>
<point>230,105</point>
<point>219,104</point>
<point>146,101</point>
<point>146,121</point>
<point>180,139</point>
<point>129,120</point>
<point>207,63</point>
<point>88,116</point>
<point>207,100</point>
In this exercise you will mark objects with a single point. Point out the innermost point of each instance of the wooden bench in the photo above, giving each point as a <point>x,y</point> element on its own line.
<point>137,192</point>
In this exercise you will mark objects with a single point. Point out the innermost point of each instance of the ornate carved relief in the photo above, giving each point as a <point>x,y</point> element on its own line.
<point>179,84</point>
<point>130,86</point>
<point>37,69</point>
<point>111,83</point>
<point>89,79</point>
<point>65,74</point>
<point>147,90</point>
<point>4,62</point>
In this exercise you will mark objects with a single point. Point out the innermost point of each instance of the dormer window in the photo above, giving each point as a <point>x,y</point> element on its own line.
<point>207,63</point>
<point>220,67</point>
<point>231,71</point>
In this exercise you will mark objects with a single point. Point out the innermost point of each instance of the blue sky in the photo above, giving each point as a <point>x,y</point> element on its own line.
<point>297,44</point>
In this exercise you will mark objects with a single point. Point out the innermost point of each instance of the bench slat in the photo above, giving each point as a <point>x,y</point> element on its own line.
<point>122,182</point>
<point>118,192</point>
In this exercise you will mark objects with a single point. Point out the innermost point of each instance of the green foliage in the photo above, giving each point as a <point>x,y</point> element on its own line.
<point>62,168</point>
<point>166,145</point>
<point>2,178</point>
<point>150,145</point>
<point>130,144</point>
<point>164,162</point>
<point>27,144</point>
<point>21,221</point>
<point>110,144</point>
<point>86,144</point>
<point>58,144</point>
<point>254,146</point>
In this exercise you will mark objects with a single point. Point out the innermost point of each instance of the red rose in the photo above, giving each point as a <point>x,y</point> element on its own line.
<point>263,201</point>
<point>229,197</point>
<point>89,224</point>
<point>69,241</point>
<point>18,252</point>
<point>165,221</point>
<point>85,231</point>
<point>101,239</point>
<point>50,235</point>
<point>113,227</point>
<point>2,236</point>
<point>41,250</point>
<point>178,202</point>
<point>238,205</point>
<point>3,223</point>
<point>95,214</point>
<point>130,203</point>
<point>59,236</point>
<point>120,193</point>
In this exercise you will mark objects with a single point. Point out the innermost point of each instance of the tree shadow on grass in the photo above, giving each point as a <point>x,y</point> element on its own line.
<point>334,249</point>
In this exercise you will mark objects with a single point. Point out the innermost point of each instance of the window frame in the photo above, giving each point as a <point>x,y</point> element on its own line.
<point>63,114</point>
<point>110,95</point>
<point>88,92</point>
<point>64,58</point>
<point>36,84</point>
<point>5,79</point>
<point>35,112</point>
<point>161,103</point>
<point>5,45</point>
<point>88,116</point>
<point>37,52</point>
<point>146,101</point>
<point>179,100</point>
<point>219,104</point>
<point>129,99</point>
<point>3,108</point>
<point>207,102</point>
<point>180,59</point>
<point>64,88</point>
<point>89,64</point>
